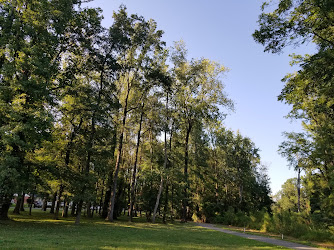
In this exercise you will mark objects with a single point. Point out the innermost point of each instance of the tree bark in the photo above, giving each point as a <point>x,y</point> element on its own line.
<point>133,184</point>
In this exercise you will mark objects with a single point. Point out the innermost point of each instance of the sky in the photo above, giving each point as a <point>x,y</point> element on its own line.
<point>221,30</point>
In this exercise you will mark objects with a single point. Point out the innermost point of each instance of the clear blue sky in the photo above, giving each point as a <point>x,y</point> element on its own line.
<point>221,30</point>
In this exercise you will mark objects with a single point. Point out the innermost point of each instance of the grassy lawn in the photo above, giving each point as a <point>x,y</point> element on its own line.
<point>39,231</point>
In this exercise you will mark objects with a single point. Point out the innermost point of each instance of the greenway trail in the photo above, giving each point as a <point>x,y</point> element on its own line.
<point>260,238</point>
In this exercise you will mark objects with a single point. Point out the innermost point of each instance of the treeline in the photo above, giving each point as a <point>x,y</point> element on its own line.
<point>110,120</point>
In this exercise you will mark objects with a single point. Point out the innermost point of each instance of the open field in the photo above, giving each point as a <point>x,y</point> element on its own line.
<point>39,231</point>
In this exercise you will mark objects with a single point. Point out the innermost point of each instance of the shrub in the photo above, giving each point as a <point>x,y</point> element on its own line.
<point>318,235</point>
<point>229,216</point>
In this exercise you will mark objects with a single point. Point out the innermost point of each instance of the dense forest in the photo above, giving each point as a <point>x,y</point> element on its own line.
<point>110,120</point>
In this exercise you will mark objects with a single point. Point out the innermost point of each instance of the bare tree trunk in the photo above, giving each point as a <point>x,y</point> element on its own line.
<point>133,184</point>
<point>118,160</point>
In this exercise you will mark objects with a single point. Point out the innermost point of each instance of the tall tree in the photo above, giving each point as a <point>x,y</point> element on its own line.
<point>199,91</point>
<point>142,39</point>
<point>310,90</point>
<point>32,34</point>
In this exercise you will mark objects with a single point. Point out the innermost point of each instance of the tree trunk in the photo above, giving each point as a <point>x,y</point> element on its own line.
<point>158,199</point>
<point>4,207</point>
<point>54,198</point>
<point>118,160</point>
<point>166,204</point>
<point>65,210</point>
<point>186,160</point>
<point>79,208</point>
<point>172,205</point>
<point>298,189</point>
<point>45,203</point>
<point>240,193</point>
<point>164,166</point>
<point>17,205</point>
<point>107,195</point>
<point>89,211</point>
<point>61,188</point>
<point>106,202</point>
<point>73,209</point>
<point>133,184</point>
<point>22,202</point>
<point>31,203</point>
<point>98,210</point>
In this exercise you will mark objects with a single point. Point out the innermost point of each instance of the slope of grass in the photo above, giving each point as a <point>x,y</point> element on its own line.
<point>40,231</point>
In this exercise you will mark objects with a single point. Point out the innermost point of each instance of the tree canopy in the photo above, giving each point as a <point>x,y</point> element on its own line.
<point>310,90</point>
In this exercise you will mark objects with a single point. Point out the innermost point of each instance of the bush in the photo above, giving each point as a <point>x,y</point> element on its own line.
<point>267,222</point>
<point>318,235</point>
<point>229,216</point>
<point>297,225</point>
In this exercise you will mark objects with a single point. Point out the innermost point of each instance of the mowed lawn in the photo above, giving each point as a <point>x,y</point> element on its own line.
<point>40,231</point>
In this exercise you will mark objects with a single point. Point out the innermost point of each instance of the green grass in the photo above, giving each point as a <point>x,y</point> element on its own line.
<point>277,236</point>
<point>40,231</point>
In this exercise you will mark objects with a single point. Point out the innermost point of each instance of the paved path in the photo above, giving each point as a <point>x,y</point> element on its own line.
<point>260,238</point>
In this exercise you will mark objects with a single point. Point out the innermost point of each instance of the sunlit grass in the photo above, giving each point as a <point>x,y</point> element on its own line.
<point>40,231</point>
